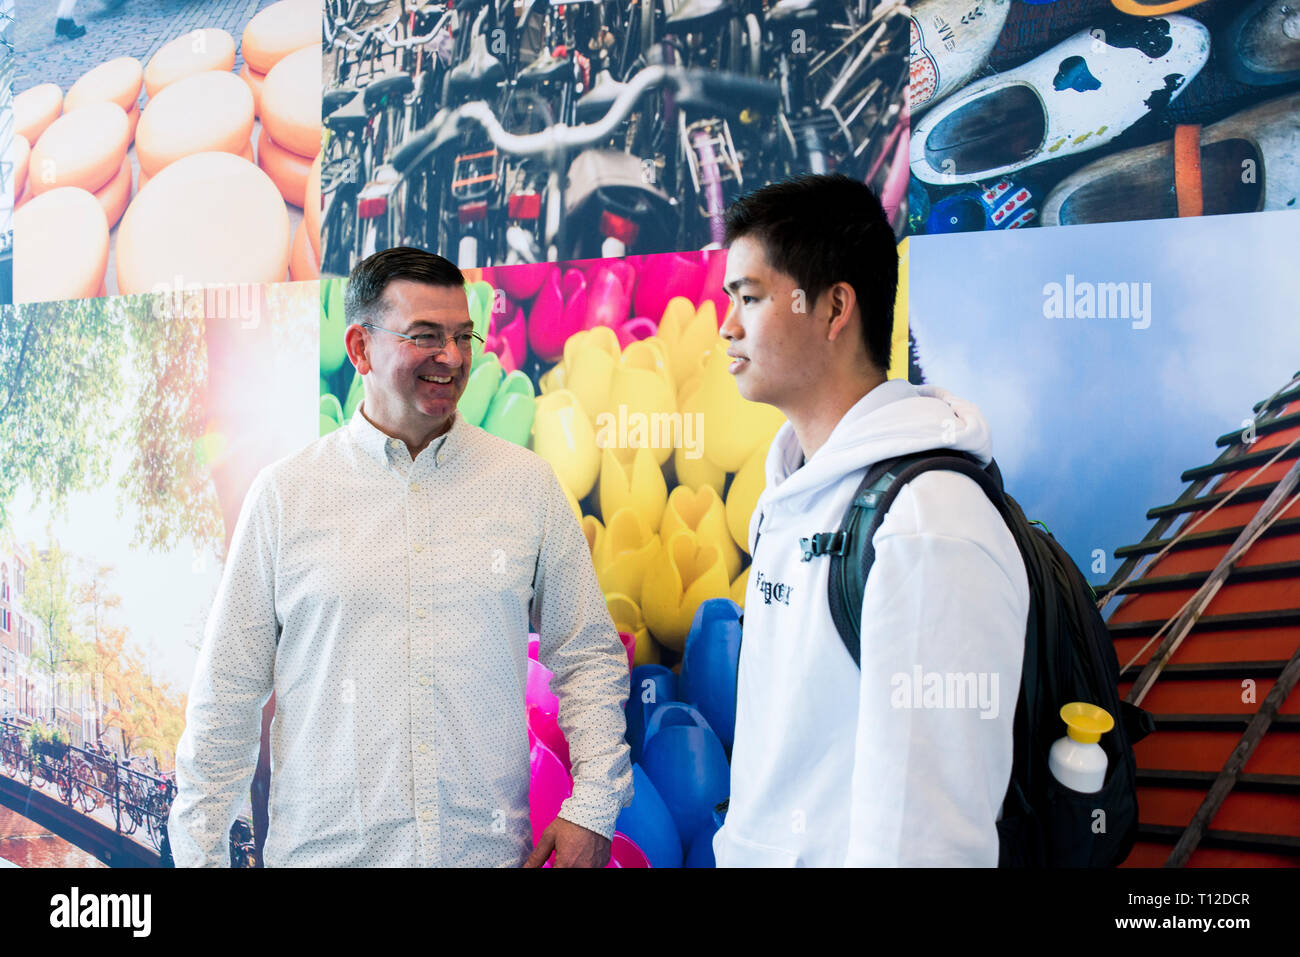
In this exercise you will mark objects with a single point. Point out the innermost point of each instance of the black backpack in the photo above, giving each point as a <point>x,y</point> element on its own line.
<point>1069,656</point>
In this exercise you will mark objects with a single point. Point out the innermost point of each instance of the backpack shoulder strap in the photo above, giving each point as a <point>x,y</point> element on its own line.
<point>851,548</point>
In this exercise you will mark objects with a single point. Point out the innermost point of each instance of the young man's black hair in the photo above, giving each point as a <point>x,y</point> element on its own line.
<point>823,229</point>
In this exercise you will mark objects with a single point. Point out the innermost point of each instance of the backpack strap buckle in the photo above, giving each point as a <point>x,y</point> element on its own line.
<point>824,543</point>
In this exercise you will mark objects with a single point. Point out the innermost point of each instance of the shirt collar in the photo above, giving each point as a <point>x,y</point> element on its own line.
<point>377,443</point>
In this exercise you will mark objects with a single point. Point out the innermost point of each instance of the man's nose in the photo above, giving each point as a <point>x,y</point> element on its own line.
<point>730,328</point>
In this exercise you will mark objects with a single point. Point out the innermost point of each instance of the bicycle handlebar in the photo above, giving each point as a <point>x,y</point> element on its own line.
<point>693,85</point>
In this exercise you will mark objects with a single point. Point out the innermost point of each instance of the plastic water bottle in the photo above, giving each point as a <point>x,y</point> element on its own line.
<point>1077,760</point>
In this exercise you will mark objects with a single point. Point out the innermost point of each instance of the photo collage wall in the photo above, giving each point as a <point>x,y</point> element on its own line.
<point>190,184</point>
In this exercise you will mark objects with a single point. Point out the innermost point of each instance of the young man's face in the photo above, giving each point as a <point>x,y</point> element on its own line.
<point>770,329</point>
<point>403,380</point>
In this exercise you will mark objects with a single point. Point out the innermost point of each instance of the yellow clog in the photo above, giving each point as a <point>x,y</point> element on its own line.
<point>562,434</point>
<point>688,333</point>
<point>628,619</point>
<point>643,400</point>
<point>624,554</point>
<point>685,573</point>
<point>702,512</point>
<point>695,471</point>
<point>733,426</point>
<point>743,495</point>
<point>630,478</point>
<point>590,358</point>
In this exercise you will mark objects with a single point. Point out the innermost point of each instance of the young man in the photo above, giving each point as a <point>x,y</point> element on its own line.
<point>383,582</point>
<point>835,765</point>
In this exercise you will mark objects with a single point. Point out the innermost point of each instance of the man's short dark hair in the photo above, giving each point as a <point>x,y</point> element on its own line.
<point>824,229</point>
<point>371,276</point>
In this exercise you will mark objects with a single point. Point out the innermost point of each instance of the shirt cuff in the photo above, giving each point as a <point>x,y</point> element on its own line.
<point>593,807</point>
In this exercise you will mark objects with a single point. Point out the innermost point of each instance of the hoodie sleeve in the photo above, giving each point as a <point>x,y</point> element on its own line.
<point>943,626</point>
<point>580,646</point>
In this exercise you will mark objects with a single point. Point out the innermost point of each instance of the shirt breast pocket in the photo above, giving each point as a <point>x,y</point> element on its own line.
<point>498,567</point>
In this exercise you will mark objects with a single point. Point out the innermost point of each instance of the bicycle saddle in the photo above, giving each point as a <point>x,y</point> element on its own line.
<point>593,104</point>
<point>792,10</point>
<point>333,99</point>
<point>479,73</point>
<point>386,91</point>
<point>349,118</point>
<point>693,15</point>
<point>547,66</point>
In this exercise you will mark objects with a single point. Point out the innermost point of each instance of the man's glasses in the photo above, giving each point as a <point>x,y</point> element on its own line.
<point>431,342</point>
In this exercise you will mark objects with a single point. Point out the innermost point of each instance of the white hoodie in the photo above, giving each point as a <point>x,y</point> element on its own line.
<point>905,762</point>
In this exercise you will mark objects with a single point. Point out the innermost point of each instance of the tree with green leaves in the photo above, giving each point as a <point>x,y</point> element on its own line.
<point>49,602</point>
<point>82,378</point>
<point>60,387</point>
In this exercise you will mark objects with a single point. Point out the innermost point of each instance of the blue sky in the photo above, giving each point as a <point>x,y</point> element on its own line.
<point>1093,420</point>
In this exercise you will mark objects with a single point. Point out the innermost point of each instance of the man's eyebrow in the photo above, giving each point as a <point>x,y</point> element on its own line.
<point>737,283</point>
<point>426,324</point>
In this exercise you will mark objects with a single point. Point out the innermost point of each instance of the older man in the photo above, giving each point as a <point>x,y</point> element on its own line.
<point>382,582</point>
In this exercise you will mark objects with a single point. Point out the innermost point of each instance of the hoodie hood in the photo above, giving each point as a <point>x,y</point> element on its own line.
<point>895,418</point>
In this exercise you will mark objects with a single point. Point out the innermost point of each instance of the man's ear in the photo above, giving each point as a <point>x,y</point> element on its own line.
<point>842,301</point>
<point>358,348</point>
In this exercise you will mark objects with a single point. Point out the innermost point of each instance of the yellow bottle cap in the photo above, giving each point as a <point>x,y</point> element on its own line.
<point>1086,723</point>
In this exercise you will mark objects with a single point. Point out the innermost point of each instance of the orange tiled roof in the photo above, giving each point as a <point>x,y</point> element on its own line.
<point>1248,632</point>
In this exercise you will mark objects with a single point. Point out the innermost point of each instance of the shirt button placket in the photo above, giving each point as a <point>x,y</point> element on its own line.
<point>419,519</point>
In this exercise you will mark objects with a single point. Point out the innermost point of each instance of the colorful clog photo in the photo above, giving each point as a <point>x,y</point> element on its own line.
<point>1077,96</point>
<point>1245,163</point>
<point>951,40</point>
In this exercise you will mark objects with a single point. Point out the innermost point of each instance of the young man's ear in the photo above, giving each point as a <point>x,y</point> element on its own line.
<point>841,299</point>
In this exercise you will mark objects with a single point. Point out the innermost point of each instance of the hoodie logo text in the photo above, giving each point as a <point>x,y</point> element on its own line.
<point>772,591</point>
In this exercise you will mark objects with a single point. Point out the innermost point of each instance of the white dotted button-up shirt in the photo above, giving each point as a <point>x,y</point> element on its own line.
<point>387,603</point>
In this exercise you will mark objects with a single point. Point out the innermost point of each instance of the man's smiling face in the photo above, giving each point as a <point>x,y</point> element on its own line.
<point>417,389</point>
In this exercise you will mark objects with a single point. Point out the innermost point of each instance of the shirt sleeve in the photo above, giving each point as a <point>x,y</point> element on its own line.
<point>943,627</point>
<point>579,644</point>
<point>217,753</point>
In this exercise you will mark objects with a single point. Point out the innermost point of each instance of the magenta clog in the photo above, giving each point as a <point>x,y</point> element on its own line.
<point>664,276</point>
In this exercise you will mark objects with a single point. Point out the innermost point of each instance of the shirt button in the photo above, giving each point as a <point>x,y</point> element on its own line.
<point>419,613</point>
<point>423,748</point>
<point>419,547</point>
<point>415,486</point>
<point>426,815</point>
<point>424,680</point>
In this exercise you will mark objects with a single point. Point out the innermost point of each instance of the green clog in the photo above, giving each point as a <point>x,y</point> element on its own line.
<point>484,380</point>
<point>510,416</point>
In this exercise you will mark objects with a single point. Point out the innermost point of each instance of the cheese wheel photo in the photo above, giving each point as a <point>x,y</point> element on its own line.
<point>83,148</point>
<point>20,155</point>
<point>246,153</point>
<point>287,170</point>
<point>195,52</point>
<point>36,109</point>
<point>116,193</point>
<point>303,264</point>
<point>291,102</point>
<point>279,30</point>
<point>60,246</point>
<point>254,81</point>
<point>117,81</point>
<point>210,111</point>
<point>208,218</point>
